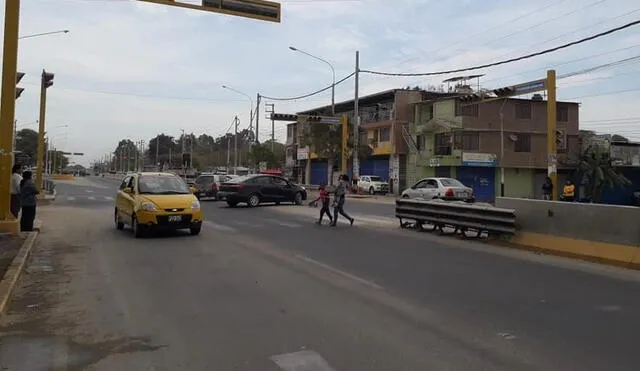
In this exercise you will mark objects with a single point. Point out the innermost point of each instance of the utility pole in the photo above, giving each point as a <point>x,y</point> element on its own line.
<point>258,98</point>
<point>158,152</point>
<point>552,160</point>
<point>235,146</point>
<point>191,151</point>
<point>45,83</point>
<point>356,123</point>
<point>270,109</point>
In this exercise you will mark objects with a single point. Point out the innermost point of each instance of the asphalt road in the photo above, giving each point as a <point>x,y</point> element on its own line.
<point>86,192</point>
<point>266,288</point>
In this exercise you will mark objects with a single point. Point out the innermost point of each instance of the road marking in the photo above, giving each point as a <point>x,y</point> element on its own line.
<point>284,224</point>
<point>88,190</point>
<point>108,198</point>
<point>70,198</point>
<point>340,272</point>
<point>305,360</point>
<point>91,198</point>
<point>220,227</point>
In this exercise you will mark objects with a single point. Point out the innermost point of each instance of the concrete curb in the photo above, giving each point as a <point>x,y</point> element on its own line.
<point>10,279</point>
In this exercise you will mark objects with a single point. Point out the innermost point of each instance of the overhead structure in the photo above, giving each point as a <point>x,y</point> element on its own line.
<point>255,9</point>
<point>315,119</point>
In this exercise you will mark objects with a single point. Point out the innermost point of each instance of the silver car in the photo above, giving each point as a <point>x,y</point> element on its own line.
<point>442,188</point>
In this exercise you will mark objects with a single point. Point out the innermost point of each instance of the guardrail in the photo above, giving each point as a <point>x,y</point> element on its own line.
<point>458,215</point>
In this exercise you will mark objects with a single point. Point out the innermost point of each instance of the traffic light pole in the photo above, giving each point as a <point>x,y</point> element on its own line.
<point>41,129</point>
<point>7,111</point>
<point>552,161</point>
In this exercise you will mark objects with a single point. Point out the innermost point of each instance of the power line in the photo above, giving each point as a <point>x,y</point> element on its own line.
<point>313,93</point>
<point>511,60</point>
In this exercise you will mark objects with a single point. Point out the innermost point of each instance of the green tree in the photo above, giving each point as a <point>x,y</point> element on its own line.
<point>125,154</point>
<point>597,172</point>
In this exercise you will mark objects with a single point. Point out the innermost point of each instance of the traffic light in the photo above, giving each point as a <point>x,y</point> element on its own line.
<point>19,90</point>
<point>561,139</point>
<point>284,117</point>
<point>504,92</point>
<point>47,79</point>
<point>314,118</point>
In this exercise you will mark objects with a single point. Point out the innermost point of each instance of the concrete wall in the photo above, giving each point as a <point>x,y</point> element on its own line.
<point>593,222</point>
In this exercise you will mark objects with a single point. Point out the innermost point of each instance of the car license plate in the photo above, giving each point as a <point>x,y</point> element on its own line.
<point>175,218</point>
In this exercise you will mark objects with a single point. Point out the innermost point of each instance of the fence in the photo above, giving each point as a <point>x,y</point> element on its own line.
<point>457,215</point>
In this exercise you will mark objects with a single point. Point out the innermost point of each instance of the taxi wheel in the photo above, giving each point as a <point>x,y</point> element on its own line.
<point>372,191</point>
<point>298,199</point>
<point>119,224</point>
<point>135,226</point>
<point>195,230</point>
<point>254,200</point>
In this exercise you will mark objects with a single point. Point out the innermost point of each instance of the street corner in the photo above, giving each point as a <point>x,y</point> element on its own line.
<point>14,253</point>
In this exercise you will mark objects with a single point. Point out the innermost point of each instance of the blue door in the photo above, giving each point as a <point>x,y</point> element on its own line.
<point>376,166</point>
<point>319,170</point>
<point>481,179</point>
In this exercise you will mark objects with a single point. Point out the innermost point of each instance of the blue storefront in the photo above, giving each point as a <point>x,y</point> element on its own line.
<point>376,166</point>
<point>319,172</point>
<point>478,171</point>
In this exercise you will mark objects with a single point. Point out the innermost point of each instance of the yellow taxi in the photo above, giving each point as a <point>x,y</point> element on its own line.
<point>155,201</point>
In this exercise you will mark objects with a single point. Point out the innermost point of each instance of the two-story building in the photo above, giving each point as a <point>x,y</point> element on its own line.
<point>472,142</point>
<point>382,117</point>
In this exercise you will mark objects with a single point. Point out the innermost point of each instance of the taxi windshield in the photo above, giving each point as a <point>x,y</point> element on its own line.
<point>162,185</point>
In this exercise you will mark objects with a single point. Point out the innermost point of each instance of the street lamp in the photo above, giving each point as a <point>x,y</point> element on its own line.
<point>333,71</point>
<point>43,34</point>
<point>251,107</point>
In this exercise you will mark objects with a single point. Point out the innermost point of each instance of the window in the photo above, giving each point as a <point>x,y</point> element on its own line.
<point>449,182</point>
<point>279,181</point>
<point>467,141</point>
<point>523,143</point>
<point>420,142</point>
<point>385,134</point>
<point>131,182</point>
<point>420,184</point>
<point>562,113</point>
<point>162,185</point>
<point>470,110</point>
<point>523,110</point>
<point>443,144</point>
<point>375,179</point>
<point>432,184</point>
<point>125,182</point>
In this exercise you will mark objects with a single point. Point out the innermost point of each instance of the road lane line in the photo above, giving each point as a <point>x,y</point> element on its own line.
<point>220,227</point>
<point>305,360</point>
<point>70,198</point>
<point>284,224</point>
<point>340,272</point>
<point>108,198</point>
<point>88,191</point>
<point>91,198</point>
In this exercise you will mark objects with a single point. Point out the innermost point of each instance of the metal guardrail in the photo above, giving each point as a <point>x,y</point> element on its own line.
<point>458,215</point>
<point>49,185</point>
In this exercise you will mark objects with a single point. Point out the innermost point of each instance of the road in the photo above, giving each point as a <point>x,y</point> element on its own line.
<point>263,288</point>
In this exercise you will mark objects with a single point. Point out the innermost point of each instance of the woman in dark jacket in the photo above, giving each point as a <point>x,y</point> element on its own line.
<point>28,193</point>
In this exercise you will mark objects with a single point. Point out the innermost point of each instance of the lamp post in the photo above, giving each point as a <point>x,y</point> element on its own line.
<point>43,34</point>
<point>250,107</point>
<point>333,72</point>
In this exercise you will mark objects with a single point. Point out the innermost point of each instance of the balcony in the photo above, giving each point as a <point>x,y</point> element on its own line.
<point>381,148</point>
<point>430,160</point>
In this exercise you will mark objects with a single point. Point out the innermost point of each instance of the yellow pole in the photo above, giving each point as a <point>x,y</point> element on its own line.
<point>552,162</point>
<point>41,128</point>
<point>345,140</point>
<point>8,103</point>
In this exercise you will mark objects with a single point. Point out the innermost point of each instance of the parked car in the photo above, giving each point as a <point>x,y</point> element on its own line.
<point>258,188</point>
<point>208,185</point>
<point>373,184</point>
<point>442,188</point>
<point>154,201</point>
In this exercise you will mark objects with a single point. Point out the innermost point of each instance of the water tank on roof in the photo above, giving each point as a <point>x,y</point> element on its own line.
<point>537,97</point>
<point>463,89</point>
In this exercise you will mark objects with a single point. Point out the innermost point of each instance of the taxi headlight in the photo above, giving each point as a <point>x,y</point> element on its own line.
<point>148,206</point>
<point>195,205</point>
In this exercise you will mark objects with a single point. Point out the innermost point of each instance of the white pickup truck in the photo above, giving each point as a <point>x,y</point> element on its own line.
<point>373,184</point>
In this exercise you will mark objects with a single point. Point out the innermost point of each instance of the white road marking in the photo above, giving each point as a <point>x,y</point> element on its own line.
<point>340,272</point>
<point>305,360</point>
<point>220,227</point>
<point>70,198</point>
<point>284,224</point>
<point>91,198</point>
<point>88,190</point>
<point>108,198</point>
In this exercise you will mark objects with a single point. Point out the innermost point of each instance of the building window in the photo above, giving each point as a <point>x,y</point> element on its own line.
<point>468,141</point>
<point>419,142</point>
<point>384,135</point>
<point>443,144</point>
<point>562,113</point>
<point>523,143</point>
<point>470,111</point>
<point>523,110</point>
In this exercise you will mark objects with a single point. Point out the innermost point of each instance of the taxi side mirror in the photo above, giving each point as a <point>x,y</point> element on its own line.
<point>128,190</point>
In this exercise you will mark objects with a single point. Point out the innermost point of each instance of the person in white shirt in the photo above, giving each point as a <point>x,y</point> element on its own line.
<point>15,190</point>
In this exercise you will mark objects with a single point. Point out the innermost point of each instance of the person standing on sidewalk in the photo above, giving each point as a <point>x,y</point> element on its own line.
<point>340,197</point>
<point>28,193</point>
<point>16,178</point>
<point>547,189</point>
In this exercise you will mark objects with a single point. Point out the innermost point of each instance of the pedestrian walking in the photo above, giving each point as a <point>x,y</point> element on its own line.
<point>339,200</point>
<point>28,193</point>
<point>16,178</point>
<point>547,189</point>
<point>325,201</point>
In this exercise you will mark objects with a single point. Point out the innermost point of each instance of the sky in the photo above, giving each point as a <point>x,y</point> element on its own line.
<point>129,69</point>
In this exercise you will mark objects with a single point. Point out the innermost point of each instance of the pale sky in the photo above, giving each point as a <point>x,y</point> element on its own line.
<point>132,70</point>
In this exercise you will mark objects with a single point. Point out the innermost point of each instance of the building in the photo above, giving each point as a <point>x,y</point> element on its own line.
<point>450,139</point>
<point>382,119</point>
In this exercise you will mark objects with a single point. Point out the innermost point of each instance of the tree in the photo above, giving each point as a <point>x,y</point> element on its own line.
<point>263,153</point>
<point>597,172</point>
<point>126,153</point>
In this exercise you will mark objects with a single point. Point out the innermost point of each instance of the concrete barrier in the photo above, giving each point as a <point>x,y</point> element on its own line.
<point>604,233</point>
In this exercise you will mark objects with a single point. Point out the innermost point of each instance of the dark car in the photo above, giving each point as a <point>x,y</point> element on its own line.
<point>208,185</point>
<point>258,188</point>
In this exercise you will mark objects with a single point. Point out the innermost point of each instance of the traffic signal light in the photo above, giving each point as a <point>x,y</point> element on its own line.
<point>19,90</point>
<point>561,139</point>
<point>47,79</point>
<point>314,118</point>
<point>284,117</point>
<point>504,92</point>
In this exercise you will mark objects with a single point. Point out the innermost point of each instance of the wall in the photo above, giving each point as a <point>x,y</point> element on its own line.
<point>593,222</point>
<point>517,183</point>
